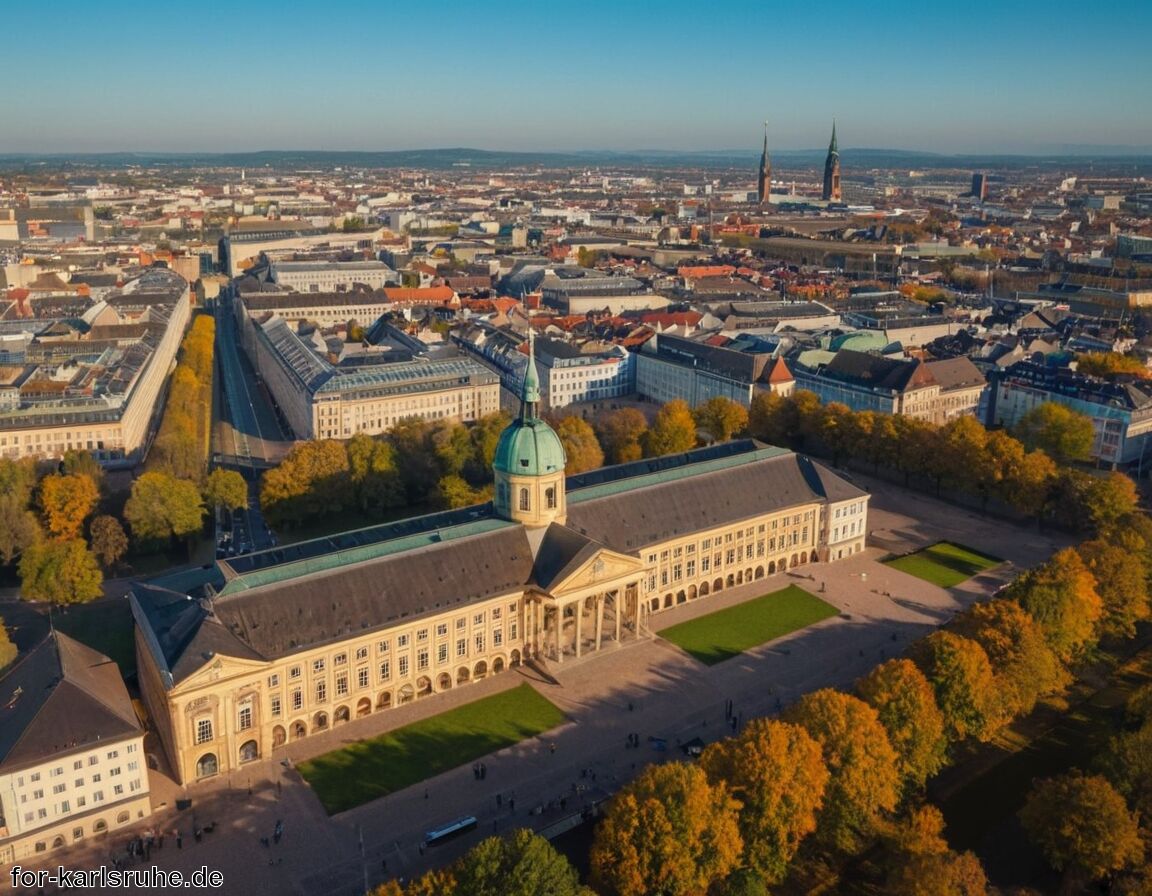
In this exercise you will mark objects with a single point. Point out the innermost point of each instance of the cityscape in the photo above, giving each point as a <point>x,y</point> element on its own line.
<point>703,492</point>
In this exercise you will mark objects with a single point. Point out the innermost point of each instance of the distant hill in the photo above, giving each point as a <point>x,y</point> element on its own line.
<point>1104,157</point>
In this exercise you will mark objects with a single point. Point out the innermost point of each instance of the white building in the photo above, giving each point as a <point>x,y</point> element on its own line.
<point>72,763</point>
<point>329,276</point>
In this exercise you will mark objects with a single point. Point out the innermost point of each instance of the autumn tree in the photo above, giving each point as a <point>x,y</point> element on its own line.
<point>1109,499</point>
<point>1082,826</point>
<point>19,527</point>
<point>108,541</point>
<point>1028,485</point>
<point>1024,664</point>
<point>581,449</point>
<point>1061,596</point>
<point>1058,431</point>
<point>226,488</point>
<point>67,501</point>
<point>620,433</point>
<point>864,781</point>
<point>773,419</point>
<point>7,648</point>
<point>672,432</point>
<point>921,863</point>
<point>668,831</point>
<point>163,508</point>
<point>485,434</point>
<point>520,864</point>
<point>60,571</point>
<point>77,462</point>
<point>1128,764</point>
<point>453,491</point>
<point>1121,576</point>
<point>312,481</point>
<point>777,772</point>
<point>906,705</point>
<point>960,674</point>
<point>1111,364</point>
<point>721,418</point>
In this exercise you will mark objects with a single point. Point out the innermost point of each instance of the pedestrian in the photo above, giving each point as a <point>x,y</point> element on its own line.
<point>552,747</point>
<point>384,865</point>
<point>511,804</point>
<point>179,840</point>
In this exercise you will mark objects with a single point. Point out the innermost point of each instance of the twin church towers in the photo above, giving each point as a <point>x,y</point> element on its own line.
<point>831,191</point>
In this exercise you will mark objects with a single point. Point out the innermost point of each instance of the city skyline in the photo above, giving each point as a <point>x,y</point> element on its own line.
<point>981,80</point>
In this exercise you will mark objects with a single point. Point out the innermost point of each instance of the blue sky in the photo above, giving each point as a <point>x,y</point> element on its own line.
<point>950,77</point>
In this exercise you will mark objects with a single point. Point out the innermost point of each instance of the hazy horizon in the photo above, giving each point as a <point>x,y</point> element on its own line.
<point>982,79</point>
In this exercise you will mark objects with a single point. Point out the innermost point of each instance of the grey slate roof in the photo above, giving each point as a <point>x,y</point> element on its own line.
<point>61,698</point>
<point>561,552</point>
<point>630,521</point>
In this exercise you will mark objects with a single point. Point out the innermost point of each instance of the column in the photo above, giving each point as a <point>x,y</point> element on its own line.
<point>599,619</point>
<point>579,617</point>
<point>636,594</point>
<point>558,629</point>
<point>616,610</point>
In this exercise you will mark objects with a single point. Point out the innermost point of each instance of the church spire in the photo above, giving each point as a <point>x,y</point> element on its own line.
<point>832,145</point>
<point>831,191</point>
<point>764,176</point>
<point>530,391</point>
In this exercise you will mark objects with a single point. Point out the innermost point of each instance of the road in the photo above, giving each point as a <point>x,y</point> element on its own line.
<point>248,437</point>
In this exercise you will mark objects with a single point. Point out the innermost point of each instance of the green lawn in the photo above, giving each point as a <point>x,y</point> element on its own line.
<point>374,768</point>
<point>727,633</point>
<point>944,564</point>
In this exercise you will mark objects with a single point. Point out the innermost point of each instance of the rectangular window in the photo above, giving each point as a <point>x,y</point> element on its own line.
<point>321,691</point>
<point>317,666</point>
<point>362,653</point>
<point>297,700</point>
<point>691,570</point>
<point>244,718</point>
<point>203,731</point>
<point>478,619</point>
<point>479,642</point>
<point>342,684</point>
<point>38,794</point>
<point>461,623</point>
<point>274,705</point>
<point>294,672</point>
<point>705,564</point>
<point>362,677</point>
<point>442,630</point>
<point>79,782</point>
<point>118,789</point>
<point>495,612</point>
<point>512,629</point>
<point>66,807</point>
<point>341,659</point>
<point>76,766</point>
<point>114,772</point>
<point>382,647</point>
<point>58,771</point>
<point>442,654</point>
<point>663,577</point>
<point>731,556</point>
<point>97,778</point>
<point>401,642</point>
<point>403,667</point>
<point>422,635</point>
<point>461,647</point>
<point>273,681</point>
<point>59,788</point>
<point>421,659</point>
<point>677,572</point>
<point>385,670</point>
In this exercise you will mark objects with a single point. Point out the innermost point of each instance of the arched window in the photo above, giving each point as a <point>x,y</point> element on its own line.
<point>524,504</point>
<point>550,498</point>
<point>249,751</point>
<point>206,766</point>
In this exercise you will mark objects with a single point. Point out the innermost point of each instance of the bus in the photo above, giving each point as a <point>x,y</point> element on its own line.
<point>449,831</point>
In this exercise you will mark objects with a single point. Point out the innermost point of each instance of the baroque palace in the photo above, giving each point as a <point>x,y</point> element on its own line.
<point>238,659</point>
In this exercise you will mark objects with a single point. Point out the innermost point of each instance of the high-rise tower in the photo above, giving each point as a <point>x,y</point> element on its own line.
<point>764,180</point>
<point>831,192</point>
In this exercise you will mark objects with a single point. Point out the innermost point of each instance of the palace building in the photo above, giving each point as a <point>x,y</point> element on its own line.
<point>237,660</point>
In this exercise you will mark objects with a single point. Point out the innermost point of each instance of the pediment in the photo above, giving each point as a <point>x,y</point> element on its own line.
<point>603,569</point>
<point>219,668</point>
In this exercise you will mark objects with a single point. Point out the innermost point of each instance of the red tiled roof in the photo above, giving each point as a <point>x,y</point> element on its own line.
<point>713,270</point>
<point>419,294</point>
<point>778,372</point>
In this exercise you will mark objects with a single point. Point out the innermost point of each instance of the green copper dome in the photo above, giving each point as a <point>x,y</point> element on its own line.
<point>529,447</point>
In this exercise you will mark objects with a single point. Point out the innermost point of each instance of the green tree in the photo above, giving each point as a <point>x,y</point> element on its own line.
<point>777,771</point>
<point>18,527</point>
<point>18,479</point>
<point>416,459</point>
<point>672,432</point>
<point>80,463</point>
<point>108,541</point>
<point>453,447</point>
<point>865,777</point>
<point>453,491</point>
<point>67,501</point>
<point>669,831</point>
<point>372,468</point>
<point>1025,666</point>
<point>1058,431</point>
<point>721,418</point>
<point>226,488</point>
<point>1082,826</point>
<point>485,435</point>
<point>7,648</point>
<point>960,674</point>
<point>520,864</point>
<point>620,433</point>
<point>1128,764</point>
<point>581,448</point>
<point>1121,576</point>
<point>163,507</point>
<point>906,705</point>
<point>743,882</point>
<point>60,571</point>
<point>1061,596</point>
